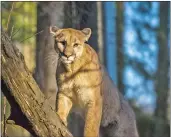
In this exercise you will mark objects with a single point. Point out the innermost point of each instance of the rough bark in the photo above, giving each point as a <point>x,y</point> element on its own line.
<point>32,110</point>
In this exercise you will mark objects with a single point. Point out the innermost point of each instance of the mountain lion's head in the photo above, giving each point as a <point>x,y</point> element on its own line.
<point>70,42</point>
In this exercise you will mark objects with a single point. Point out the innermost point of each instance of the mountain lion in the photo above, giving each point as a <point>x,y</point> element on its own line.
<point>83,83</point>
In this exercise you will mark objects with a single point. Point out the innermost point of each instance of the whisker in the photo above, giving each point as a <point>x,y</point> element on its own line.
<point>49,61</point>
<point>49,57</point>
<point>51,54</point>
<point>54,62</point>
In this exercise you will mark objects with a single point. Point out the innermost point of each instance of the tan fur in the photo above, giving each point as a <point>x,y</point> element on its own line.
<point>83,83</point>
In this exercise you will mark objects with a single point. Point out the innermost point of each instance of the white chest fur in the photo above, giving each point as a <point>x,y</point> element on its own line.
<point>77,88</point>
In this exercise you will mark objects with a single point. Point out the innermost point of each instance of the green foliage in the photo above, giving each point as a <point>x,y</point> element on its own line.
<point>22,27</point>
<point>23,19</point>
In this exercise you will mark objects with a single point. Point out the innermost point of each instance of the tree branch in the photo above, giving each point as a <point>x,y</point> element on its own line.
<point>32,110</point>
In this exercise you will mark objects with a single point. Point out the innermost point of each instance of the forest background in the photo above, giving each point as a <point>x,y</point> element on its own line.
<point>132,40</point>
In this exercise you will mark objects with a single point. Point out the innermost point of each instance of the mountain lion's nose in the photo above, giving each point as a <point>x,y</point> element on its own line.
<point>67,54</point>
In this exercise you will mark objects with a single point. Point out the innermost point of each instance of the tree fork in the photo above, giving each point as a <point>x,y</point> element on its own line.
<point>31,108</point>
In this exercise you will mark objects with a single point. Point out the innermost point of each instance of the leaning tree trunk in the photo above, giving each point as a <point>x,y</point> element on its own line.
<point>48,13</point>
<point>32,110</point>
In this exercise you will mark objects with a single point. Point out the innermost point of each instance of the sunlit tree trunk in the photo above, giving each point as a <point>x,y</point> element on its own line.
<point>48,13</point>
<point>162,76</point>
<point>100,31</point>
<point>119,42</point>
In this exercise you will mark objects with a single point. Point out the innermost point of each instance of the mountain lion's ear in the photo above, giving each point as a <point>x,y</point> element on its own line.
<point>53,30</point>
<point>87,33</point>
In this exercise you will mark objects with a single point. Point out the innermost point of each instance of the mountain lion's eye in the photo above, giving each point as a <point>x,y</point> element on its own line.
<point>76,45</point>
<point>63,43</point>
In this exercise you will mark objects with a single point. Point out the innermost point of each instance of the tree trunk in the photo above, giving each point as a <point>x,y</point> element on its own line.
<point>162,76</point>
<point>89,19</point>
<point>119,42</point>
<point>48,13</point>
<point>100,31</point>
<point>32,110</point>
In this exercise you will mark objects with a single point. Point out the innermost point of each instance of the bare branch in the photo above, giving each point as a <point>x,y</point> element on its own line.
<point>16,32</point>
<point>9,17</point>
<point>12,32</point>
<point>32,35</point>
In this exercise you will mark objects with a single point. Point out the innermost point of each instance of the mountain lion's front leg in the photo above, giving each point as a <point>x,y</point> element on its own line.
<point>93,118</point>
<point>63,107</point>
